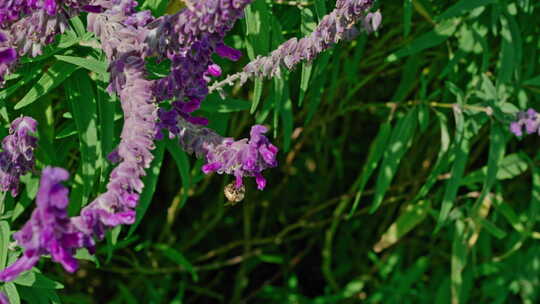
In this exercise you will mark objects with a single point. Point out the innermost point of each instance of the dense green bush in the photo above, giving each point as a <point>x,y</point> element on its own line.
<point>399,180</point>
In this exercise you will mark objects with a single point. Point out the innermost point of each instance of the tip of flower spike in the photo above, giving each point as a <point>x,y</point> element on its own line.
<point>214,70</point>
<point>23,125</point>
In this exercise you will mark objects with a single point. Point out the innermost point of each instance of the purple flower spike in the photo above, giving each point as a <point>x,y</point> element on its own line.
<point>116,205</point>
<point>17,157</point>
<point>49,230</point>
<point>528,120</point>
<point>334,27</point>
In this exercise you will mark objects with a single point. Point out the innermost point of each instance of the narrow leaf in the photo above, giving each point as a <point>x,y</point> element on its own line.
<point>52,78</point>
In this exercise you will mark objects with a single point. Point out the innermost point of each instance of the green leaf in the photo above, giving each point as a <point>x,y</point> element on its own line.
<point>307,25</point>
<point>456,91</point>
<point>257,28</point>
<point>409,78</point>
<point>177,257</point>
<point>509,57</point>
<point>431,39</point>
<point>458,260</point>
<point>492,229</point>
<point>488,89</point>
<point>463,7</point>
<point>182,163</point>
<point>30,72</point>
<point>258,40</point>
<point>307,67</point>
<point>320,8</point>
<point>127,295</point>
<point>52,78</point>
<point>78,26</point>
<point>257,94</point>
<point>509,167</point>
<point>90,64</point>
<point>317,87</point>
<point>158,7</point>
<point>400,141</point>
<point>37,280</point>
<point>12,293</point>
<point>287,118</point>
<point>69,130</point>
<point>4,242</point>
<point>214,103</point>
<point>38,295</point>
<point>412,216</point>
<point>535,81</point>
<point>497,145</point>
<point>106,114</point>
<point>376,152</point>
<point>83,254</point>
<point>461,152</point>
<point>81,96</point>
<point>150,181</point>
<point>407,17</point>
<point>442,158</point>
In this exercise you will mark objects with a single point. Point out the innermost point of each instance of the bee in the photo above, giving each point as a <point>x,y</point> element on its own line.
<point>233,194</point>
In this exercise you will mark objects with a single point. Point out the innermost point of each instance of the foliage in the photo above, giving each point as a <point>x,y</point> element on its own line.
<point>399,181</point>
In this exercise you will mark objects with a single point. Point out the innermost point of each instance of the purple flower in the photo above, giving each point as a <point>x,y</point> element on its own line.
<point>49,230</point>
<point>228,52</point>
<point>188,39</point>
<point>17,157</point>
<point>8,55</point>
<point>241,158</point>
<point>528,120</point>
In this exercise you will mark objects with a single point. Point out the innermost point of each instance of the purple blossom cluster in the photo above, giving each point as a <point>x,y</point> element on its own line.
<point>17,156</point>
<point>245,157</point>
<point>28,25</point>
<point>128,37</point>
<point>117,205</point>
<point>529,120</point>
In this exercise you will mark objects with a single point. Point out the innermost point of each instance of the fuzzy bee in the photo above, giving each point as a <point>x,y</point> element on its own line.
<point>233,194</point>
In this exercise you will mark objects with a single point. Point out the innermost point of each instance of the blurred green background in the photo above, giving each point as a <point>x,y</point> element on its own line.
<point>398,182</point>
